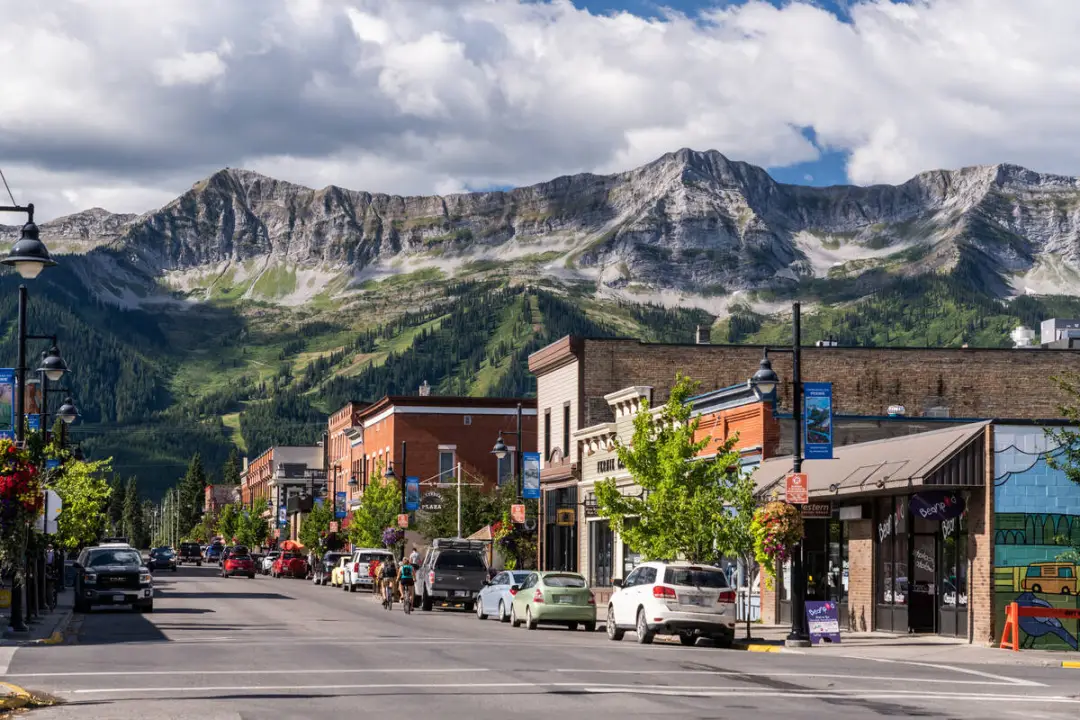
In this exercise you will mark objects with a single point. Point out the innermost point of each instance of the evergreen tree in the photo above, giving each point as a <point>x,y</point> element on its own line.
<point>230,471</point>
<point>131,520</point>
<point>192,494</point>
<point>115,510</point>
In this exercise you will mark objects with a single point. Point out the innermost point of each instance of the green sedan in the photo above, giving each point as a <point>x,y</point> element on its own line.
<point>553,598</point>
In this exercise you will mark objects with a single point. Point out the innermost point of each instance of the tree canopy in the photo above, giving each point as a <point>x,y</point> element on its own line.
<point>378,510</point>
<point>85,493</point>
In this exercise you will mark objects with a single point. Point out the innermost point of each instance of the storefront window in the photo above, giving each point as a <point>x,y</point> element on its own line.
<point>631,559</point>
<point>601,546</point>
<point>560,541</point>
<point>901,576</point>
<point>885,540</point>
<point>838,561</point>
<point>953,574</point>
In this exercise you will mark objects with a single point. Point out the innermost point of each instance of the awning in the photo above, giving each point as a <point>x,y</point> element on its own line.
<point>952,457</point>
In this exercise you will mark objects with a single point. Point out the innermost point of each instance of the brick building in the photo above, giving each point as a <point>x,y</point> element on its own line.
<point>345,451</point>
<point>218,496</point>
<point>439,432</point>
<point>279,474</point>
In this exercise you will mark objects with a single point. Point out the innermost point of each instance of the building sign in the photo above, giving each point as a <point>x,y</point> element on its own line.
<point>403,520</point>
<point>936,505</point>
<point>7,404</point>
<point>565,517</point>
<point>517,513</point>
<point>823,621</point>
<point>412,493</point>
<point>813,511</point>
<point>851,512</point>
<point>590,506</point>
<point>339,504</point>
<point>431,502</point>
<point>819,417</point>
<point>530,488</point>
<point>796,491</point>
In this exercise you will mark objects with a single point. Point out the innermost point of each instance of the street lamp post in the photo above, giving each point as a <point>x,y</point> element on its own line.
<point>391,475</point>
<point>764,383</point>
<point>29,257</point>
<point>500,450</point>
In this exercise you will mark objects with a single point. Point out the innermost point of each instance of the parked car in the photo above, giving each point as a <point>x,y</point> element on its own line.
<point>337,577</point>
<point>112,575</point>
<point>213,553</point>
<point>497,594</point>
<point>661,598</point>
<point>555,597</point>
<point>189,553</point>
<point>268,561</point>
<point>162,558</point>
<point>325,567</point>
<point>454,571</point>
<point>238,562</point>
<point>289,564</point>
<point>356,572</point>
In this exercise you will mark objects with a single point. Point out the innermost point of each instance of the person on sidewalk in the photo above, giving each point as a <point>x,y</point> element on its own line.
<point>414,558</point>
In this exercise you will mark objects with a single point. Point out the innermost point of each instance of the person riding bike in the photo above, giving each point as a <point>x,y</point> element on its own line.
<point>406,583</point>
<point>387,575</point>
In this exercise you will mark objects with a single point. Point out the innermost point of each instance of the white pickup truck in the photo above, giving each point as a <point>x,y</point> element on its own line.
<point>356,571</point>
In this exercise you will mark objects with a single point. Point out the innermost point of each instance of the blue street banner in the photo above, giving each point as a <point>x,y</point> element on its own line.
<point>52,464</point>
<point>530,485</point>
<point>7,404</point>
<point>33,423</point>
<point>339,504</point>
<point>412,493</point>
<point>819,420</point>
<point>282,517</point>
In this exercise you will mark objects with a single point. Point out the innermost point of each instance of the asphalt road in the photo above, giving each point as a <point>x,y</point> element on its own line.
<point>265,648</point>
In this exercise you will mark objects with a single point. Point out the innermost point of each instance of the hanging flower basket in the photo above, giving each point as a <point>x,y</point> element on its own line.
<point>22,499</point>
<point>392,536</point>
<point>777,527</point>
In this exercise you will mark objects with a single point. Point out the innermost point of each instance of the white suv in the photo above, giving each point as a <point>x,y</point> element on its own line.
<point>673,598</point>
<point>356,570</point>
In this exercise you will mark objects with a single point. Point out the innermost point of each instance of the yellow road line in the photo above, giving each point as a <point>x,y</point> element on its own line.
<point>1070,664</point>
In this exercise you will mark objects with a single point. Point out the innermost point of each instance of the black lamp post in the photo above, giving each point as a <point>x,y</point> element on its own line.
<point>500,450</point>
<point>764,382</point>
<point>29,257</point>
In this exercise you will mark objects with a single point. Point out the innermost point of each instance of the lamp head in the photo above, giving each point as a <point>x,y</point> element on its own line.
<point>52,364</point>
<point>68,412</point>
<point>29,256</point>
<point>765,380</point>
<point>500,450</point>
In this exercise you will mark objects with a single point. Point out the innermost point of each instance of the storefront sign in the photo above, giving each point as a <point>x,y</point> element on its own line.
<point>852,512</point>
<point>823,621</point>
<point>590,507</point>
<point>565,517</point>
<point>517,513</point>
<point>403,520</point>
<point>819,417</point>
<point>937,505</point>
<point>431,502</point>
<point>530,486</point>
<point>796,492</point>
<point>412,493</point>
<point>815,511</point>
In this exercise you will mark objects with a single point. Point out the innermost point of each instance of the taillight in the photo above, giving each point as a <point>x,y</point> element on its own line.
<point>538,597</point>
<point>431,577</point>
<point>726,596</point>
<point>513,591</point>
<point>592,599</point>
<point>356,568</point>
<point>663,591</point>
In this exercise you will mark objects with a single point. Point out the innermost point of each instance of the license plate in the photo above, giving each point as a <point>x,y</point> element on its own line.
<point>118,598</point>
<point>697,600</point>
<point>462,593</point>
<point>565,599</point>
<point>365,581</point>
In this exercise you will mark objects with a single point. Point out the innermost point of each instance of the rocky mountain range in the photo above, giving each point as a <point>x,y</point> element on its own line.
<point>695,223</point>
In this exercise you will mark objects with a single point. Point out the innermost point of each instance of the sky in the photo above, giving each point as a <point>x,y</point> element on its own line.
<point>124,104</point>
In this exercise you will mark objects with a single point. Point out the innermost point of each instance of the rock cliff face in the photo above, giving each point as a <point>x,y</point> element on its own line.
<point>692,221</point>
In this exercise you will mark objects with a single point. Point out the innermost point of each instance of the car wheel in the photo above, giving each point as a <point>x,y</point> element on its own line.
<point>688,639</point>
<point>251,576</point>
<point>613,632</point>
<point>174,569</point>
<point>1036,588</point>
<point>503,615</point>
<point>82,607</point>
<point>426,602</point>
<point>469,607</point>
<point>572,626</point>
<point>590,627</point>
<point>145,607</point>
<point>198,564</point>
<point>480,614</point>
<point>644,634</point>
<point>514,622</point>
<point>530,623</point>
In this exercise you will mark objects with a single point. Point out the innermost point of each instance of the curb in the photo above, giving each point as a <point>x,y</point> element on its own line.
<point>1070,664</point>
<point>759,647</point>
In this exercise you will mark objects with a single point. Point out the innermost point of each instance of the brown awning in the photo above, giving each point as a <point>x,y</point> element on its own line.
<point>952,457</point>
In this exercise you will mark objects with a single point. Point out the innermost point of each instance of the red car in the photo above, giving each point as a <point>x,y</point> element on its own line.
<point>289,564</point>
<point>238,562</point>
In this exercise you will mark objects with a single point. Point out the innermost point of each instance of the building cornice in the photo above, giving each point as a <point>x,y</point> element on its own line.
<point>559,353</point>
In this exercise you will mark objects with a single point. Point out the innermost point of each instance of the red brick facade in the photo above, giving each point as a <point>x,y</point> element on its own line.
<point>345,450</point>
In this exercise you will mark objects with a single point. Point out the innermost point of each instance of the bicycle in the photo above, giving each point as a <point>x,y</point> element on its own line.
<point>407,598</point>
<point>388,596</point>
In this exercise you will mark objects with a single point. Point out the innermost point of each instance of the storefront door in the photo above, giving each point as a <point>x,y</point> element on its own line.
<point>952,577</point>
<point>921,603</point>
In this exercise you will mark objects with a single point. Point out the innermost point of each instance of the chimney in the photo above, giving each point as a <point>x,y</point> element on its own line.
<point>425,389</point>
<point>703,335</point>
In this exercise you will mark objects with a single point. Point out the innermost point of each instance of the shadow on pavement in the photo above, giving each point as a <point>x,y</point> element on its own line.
<point>109,626</point>
<point>223,595</point>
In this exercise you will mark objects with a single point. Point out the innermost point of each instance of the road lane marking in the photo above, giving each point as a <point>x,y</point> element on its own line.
<point>6,654</point>
<point>755,673</point>
<point>953,668</point>
<point>836,695</point>
<point>255,671</point>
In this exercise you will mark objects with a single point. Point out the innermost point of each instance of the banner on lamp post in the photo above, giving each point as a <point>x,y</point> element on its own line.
<point>818,411</point>
<point>339,504</point>
<point>530,478</point>
<point>33,422</point>
<point>412,493</point>
<point>7,404</point>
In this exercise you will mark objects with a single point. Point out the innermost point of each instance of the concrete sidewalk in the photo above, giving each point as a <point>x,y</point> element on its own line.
<point>888,647</point>
<point>47,629</point>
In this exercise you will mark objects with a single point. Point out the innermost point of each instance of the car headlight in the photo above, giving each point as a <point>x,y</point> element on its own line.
<point>145,578</point>
<point>90,578</point>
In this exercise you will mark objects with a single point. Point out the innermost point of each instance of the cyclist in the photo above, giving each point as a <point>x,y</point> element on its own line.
<point>406,582</point>
<point>387,574</point>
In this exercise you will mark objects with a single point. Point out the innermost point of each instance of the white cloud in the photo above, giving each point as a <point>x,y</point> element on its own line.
<point>124,103</point>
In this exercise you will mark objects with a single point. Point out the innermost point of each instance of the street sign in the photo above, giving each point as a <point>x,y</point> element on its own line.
<point>403,520</point>
<point>796,491</point>
<point>431,502</point>
<point>817,510</point>
<point>517,513</point>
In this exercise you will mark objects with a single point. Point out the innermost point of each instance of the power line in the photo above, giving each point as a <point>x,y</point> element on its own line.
<point>7,187</point>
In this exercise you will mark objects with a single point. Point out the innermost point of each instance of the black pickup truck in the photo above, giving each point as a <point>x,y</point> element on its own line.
<point>454,571</point>
<point>190,552</point>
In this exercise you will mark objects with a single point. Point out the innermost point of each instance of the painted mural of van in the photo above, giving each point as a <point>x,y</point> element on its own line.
<point>1056,578</point>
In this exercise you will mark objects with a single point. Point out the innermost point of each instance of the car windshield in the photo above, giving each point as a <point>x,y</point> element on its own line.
<point>162,551</point>
<point>564,581</point>
<point>459,559</point>
<point>114,557</point>
<point>695,577</point>
<point>368,557</point>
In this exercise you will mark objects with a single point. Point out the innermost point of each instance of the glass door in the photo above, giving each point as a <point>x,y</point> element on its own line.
<point>922,603</point>
<point>952,578</point>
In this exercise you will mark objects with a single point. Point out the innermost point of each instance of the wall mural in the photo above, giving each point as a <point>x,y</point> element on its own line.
<point>1036,533</point>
